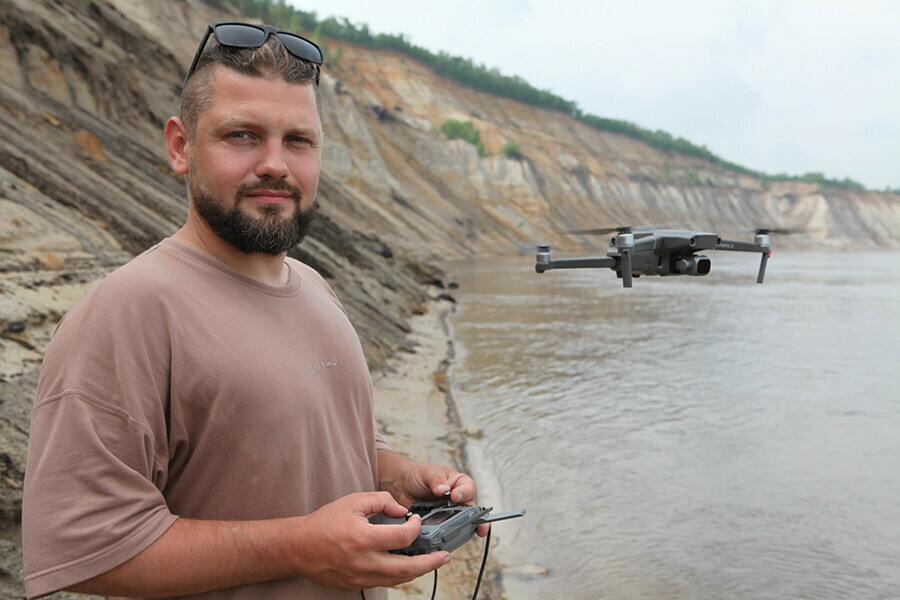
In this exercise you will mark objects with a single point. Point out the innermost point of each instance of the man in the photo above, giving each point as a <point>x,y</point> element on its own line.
<point>203,422</point>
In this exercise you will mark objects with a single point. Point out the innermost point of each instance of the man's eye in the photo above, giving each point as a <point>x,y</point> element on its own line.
<point>238,135</point>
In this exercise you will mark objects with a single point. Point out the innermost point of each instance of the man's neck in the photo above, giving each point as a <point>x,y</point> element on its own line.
<point>265,268</point>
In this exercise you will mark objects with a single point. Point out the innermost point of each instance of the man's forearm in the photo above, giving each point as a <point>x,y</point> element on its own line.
<point>335,547</point>
<point>195,556</point>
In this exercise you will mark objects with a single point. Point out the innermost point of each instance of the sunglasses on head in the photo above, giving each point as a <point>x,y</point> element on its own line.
<point>245,35</point>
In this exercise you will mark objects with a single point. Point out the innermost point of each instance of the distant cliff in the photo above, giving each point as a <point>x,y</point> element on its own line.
<point>86,86</point>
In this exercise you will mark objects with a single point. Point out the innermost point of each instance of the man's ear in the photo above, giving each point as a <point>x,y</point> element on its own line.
<point>176,145</point>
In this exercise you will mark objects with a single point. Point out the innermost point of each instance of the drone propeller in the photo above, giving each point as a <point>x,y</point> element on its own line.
<point>507,247</point>
<point>523,248</point>
<point>600,231</point>
<point>621,229</point>
<point>777,230</point>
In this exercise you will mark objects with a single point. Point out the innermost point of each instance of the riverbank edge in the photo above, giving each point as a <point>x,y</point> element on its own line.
<point>417,413</point>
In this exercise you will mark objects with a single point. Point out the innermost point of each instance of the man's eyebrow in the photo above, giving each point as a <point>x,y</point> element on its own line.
<point>235,121</point>
<point>305,131</point>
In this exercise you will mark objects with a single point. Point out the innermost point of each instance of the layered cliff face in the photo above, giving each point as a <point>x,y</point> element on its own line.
<point>569,175</point>
<point>86,87</point>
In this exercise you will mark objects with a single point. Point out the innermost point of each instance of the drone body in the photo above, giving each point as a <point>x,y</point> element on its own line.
<point>637,251</point>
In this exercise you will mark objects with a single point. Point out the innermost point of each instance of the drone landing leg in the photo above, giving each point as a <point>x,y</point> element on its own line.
<point>626,268</point>
<point>762,267</point>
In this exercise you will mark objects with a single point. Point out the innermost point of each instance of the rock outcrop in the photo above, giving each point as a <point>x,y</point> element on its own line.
<point>86,87</point>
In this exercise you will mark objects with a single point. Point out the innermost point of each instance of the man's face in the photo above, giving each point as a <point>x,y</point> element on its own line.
<point>254,162</point>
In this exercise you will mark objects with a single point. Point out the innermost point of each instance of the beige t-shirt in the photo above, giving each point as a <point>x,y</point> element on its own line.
<point>179,387</point>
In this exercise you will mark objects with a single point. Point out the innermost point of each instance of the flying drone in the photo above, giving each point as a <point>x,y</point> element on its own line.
<point>645,250</point>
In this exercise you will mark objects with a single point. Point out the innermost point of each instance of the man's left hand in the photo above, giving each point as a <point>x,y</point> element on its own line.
<point>410,481</point>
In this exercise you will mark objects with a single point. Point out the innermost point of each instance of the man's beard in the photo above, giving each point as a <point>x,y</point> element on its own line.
<point>267,234</point>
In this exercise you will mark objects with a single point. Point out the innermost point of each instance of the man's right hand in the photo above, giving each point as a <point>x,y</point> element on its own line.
<point>343,550</point>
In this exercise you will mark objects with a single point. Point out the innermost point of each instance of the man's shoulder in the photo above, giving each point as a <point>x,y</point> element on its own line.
<point>136,285</point>
<point>131,279</point>
<point>150,264</point>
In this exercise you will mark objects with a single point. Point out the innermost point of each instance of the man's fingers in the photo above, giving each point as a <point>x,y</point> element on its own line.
<point>396,537</point>
<point>371,503</point>
<point>395,510</point>
<point>400,569</point>
<point>463,490</point>
<point>429,562</point>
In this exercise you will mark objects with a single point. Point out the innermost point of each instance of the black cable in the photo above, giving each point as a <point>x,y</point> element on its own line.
<point>487,544</point>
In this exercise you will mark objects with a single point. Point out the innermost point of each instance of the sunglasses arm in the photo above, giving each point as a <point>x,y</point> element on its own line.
<point>209,30</point>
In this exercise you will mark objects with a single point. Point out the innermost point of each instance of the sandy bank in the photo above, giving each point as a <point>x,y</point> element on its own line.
<point>417,415</point>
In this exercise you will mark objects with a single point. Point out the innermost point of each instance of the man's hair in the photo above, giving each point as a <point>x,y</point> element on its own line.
<point>269,60</point>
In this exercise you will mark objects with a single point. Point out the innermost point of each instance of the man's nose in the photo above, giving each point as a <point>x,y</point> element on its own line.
<point>272,161</point>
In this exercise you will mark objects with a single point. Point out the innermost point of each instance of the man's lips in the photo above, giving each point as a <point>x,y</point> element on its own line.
<point>270,196</point>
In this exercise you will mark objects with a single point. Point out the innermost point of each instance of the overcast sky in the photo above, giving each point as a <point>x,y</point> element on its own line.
<point>781,86</point>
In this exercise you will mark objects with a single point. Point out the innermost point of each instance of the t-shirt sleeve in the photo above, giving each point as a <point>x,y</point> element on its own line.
<point>98,448</point>
<point>380,443</point>
<point>92,503</point>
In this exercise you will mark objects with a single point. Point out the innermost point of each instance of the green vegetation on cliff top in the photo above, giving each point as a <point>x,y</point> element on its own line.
<point>479,77</point>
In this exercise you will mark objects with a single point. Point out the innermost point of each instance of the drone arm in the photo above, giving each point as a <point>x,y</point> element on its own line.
<point>739,246</point>
<point>575,263</point>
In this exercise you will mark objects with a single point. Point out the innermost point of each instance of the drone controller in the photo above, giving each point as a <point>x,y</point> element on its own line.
<point>445,525</point>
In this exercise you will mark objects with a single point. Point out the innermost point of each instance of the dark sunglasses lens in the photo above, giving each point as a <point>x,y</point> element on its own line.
<point>240,36</point>
<point>300,47</point>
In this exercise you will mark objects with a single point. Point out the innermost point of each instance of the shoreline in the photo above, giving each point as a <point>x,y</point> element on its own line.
<point>416,413</point>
